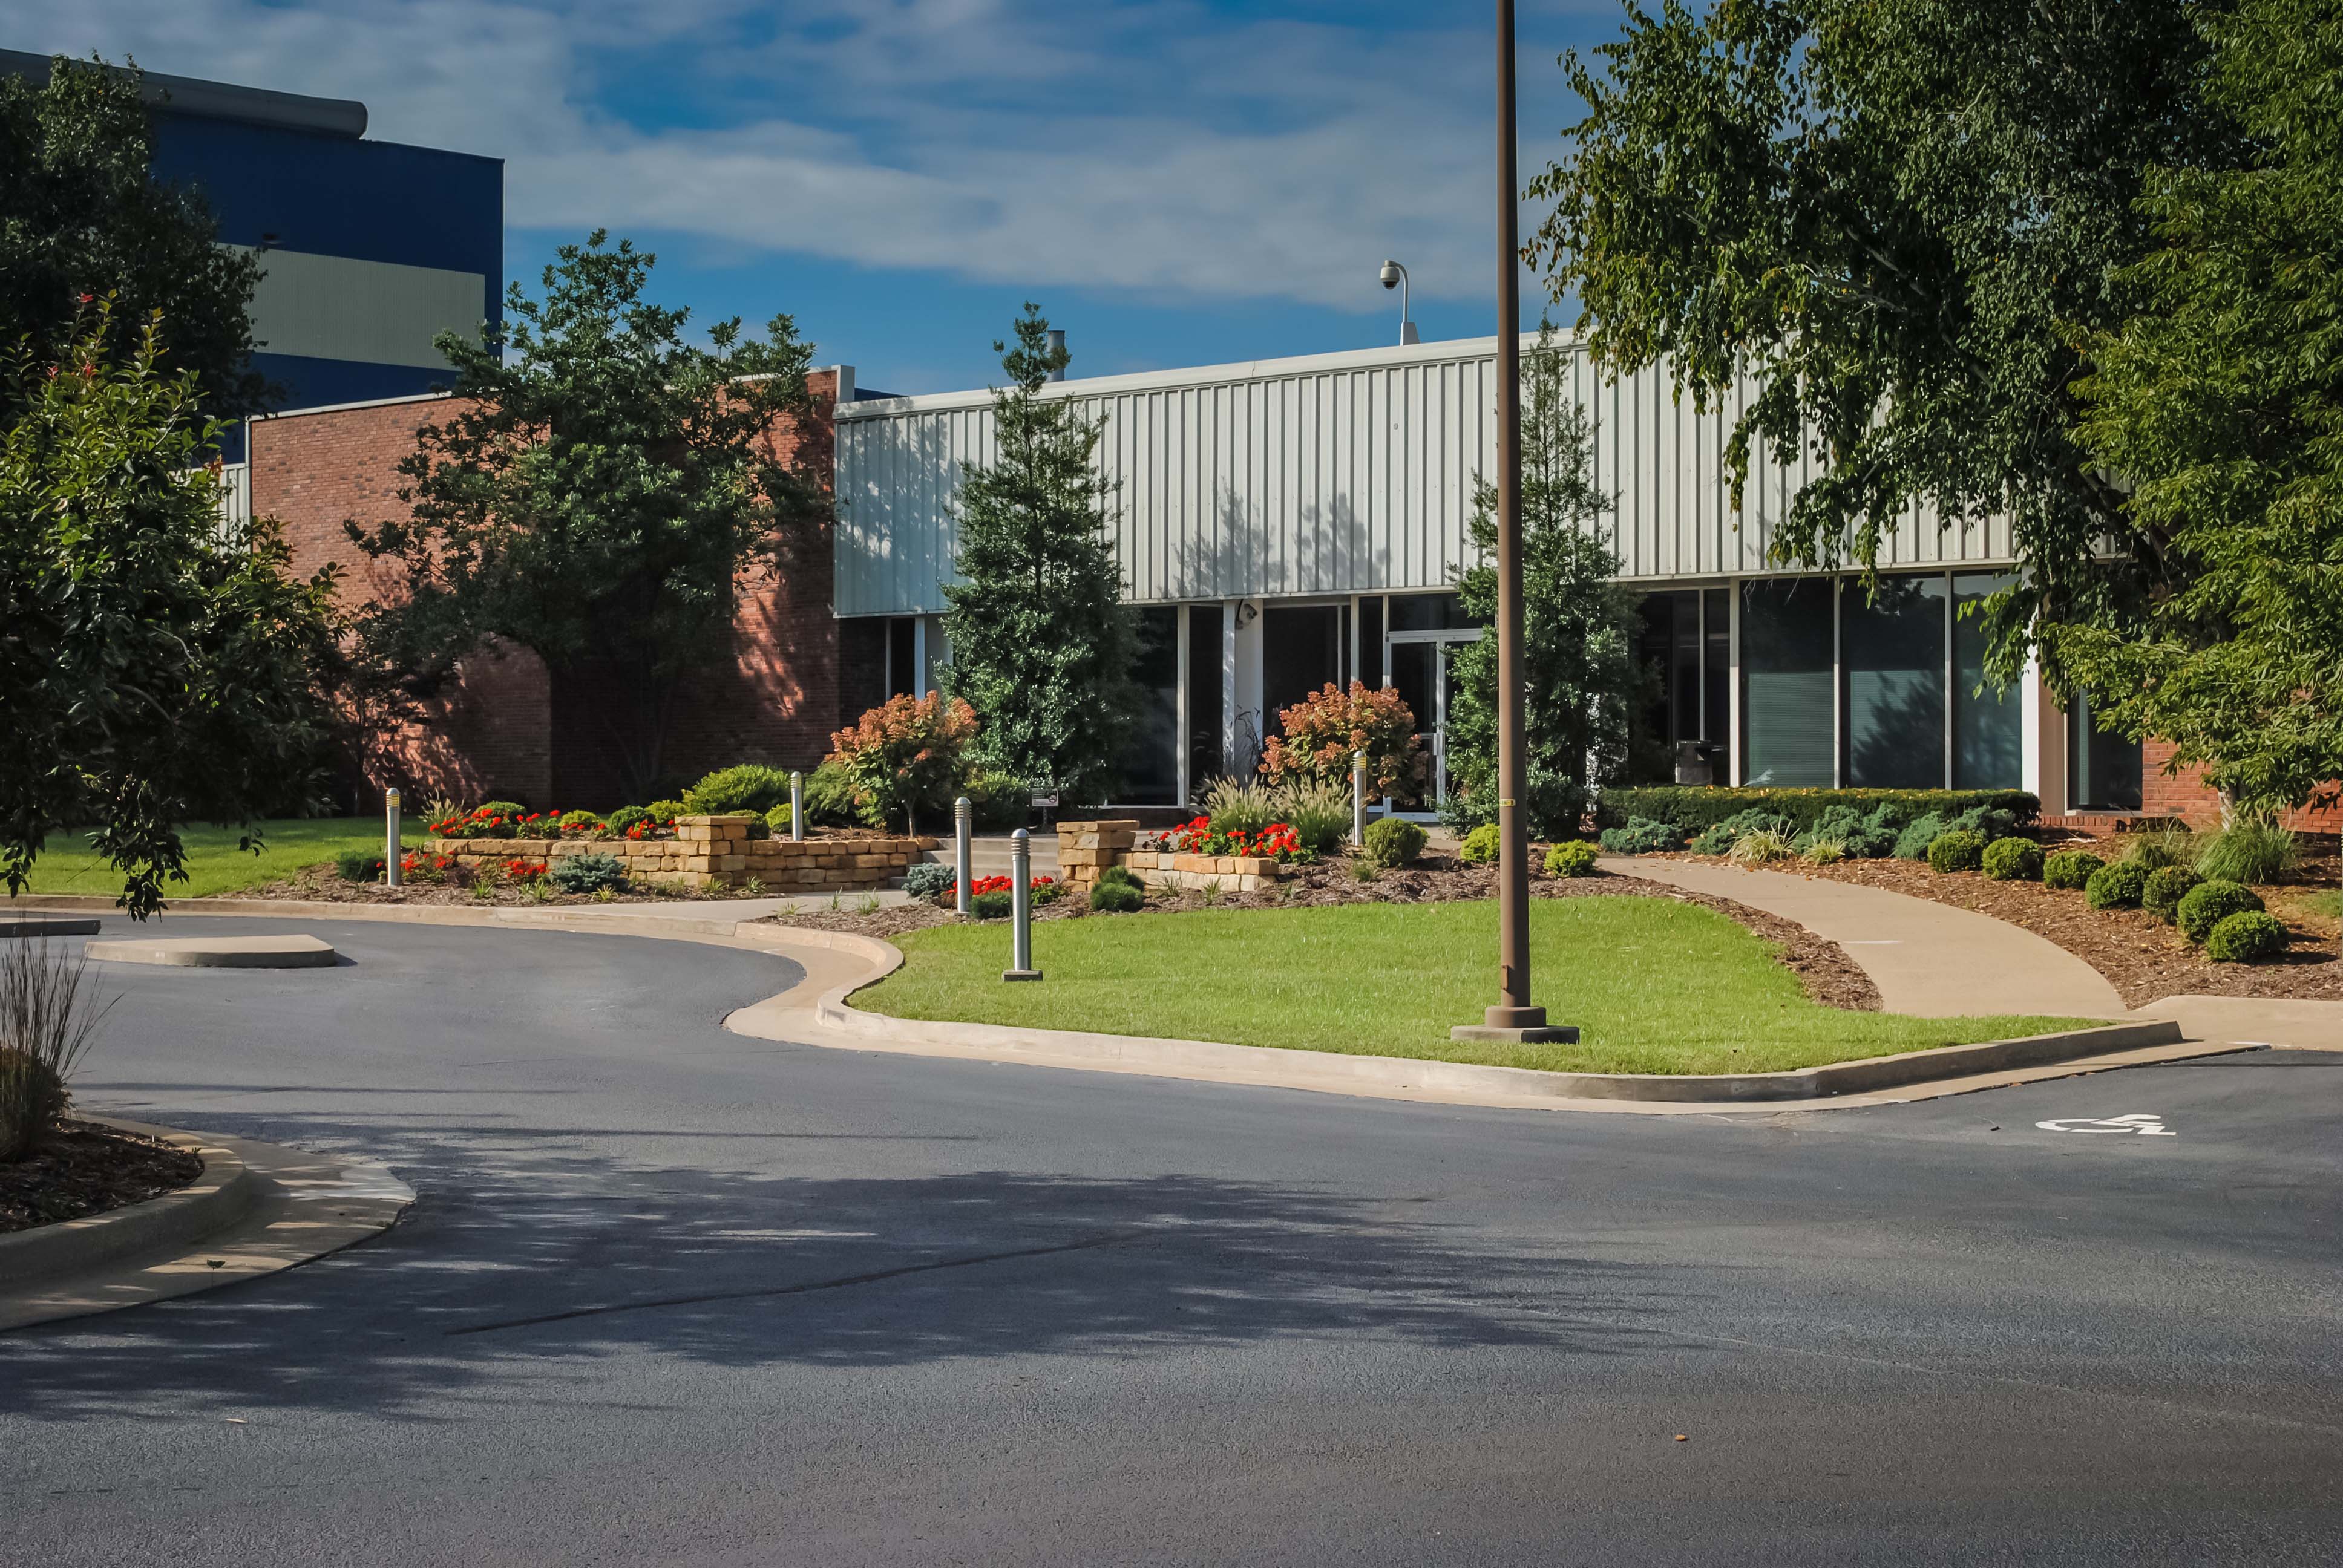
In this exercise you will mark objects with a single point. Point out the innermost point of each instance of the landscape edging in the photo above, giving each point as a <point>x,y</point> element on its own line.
<point>182,1217</point>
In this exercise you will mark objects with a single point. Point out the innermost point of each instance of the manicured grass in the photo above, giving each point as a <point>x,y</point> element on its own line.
<point>214,865</point>
<point>1653,986</point>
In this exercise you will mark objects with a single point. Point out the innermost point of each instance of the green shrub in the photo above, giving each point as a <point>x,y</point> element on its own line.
<point>2070,869</point>
<point>2167,886</point>
<point>358,866</point>
<point>1116,898</point>
<point>1762,846</point>
<point>587,873</point>
<point>626,816</point>
<point>998,803</point>
<point>1576,858</point>
<point>749,787</point>
<point>1700,806</point>
<point>2209,903</point>
<point>1912,843</point>
<point>1859,835</point>
<point>929,878</point>
<point>1479,846</point>
<point>2013,861</point>
<point>828,795</point>
<point>512,809</point>
<point>2116,887</point>
<point>2242,938</point>
<point>1989,822</point>
<point>1957,849</point>
<point>572,821</point>
<point>777,819</point>
<point>1719,838</point>
<point>1123,875</point>
<point>2160,848</point>
<point>1642,835</point>
<point>666,811</point>
<point>1393,841</point>
<point>992,906</point>
<point>2250,850</point>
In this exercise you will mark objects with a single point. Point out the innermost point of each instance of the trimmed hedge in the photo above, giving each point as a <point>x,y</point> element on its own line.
<point>2070,869</point>
<point>1117,898</point>
<point>1480,848</point>
<point>1642,835</point>
<point>2013,861</point>
<point>2116,887</point>
<point>1695,806</point>
<point>2165,887</point>
<point>1575,858</point>
<point>1393,841</point>
<point>2207,904</point>
<point>2242,938</point>
<point>1956,851</point>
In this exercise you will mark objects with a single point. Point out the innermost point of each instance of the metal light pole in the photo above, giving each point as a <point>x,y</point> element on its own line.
<point>1514,1017</point>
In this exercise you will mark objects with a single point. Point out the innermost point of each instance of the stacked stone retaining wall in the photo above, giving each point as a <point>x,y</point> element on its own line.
<point>1086,848</point>
<point>718,851</point>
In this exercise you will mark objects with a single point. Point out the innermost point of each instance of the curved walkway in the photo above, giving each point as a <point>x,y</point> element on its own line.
<point>1928,959</point>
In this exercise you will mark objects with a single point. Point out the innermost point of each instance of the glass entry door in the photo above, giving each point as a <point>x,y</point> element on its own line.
<point>1423,671</point>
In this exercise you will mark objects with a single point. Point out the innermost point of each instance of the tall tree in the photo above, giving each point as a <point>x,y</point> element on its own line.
<point>595,496</point>
<point>156,662</point>
<point>2221,403</point>
<point>1580,680</point>
<point>1884,212</point>
<point>81,216</point>
<point>1042,642</point>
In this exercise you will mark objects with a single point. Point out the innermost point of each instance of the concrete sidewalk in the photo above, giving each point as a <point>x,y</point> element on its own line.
<point>1928,959</point>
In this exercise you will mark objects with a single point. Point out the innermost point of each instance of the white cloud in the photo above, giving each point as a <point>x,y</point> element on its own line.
<point>1151,147</point>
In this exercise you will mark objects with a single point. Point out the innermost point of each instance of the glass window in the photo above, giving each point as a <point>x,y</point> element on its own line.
<point>1370,641</point>
<point>1300,652</point>
<point>1204,762</point>
<point>1428,612</point>
<point>1892,644</point>
<point>1655,630</point>
<point>1150,774</point>
<point>900,646</point>
<point>1988,745</point>
<point>2104,767</point>
<point>1787,691</point>
<point>1716,706</point>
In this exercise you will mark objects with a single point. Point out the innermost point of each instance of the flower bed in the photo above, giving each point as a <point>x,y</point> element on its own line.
<point>1086,848</point>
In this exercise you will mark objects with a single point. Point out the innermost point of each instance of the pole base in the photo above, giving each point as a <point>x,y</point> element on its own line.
<point>1529,1034</point>
<point>1023,974</point>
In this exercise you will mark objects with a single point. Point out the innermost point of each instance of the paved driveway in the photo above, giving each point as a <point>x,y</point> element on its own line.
<point>669,1295</point>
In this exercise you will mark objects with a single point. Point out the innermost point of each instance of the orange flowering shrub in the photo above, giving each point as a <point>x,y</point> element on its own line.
<point>908,754</point>
<point>1325,728</point>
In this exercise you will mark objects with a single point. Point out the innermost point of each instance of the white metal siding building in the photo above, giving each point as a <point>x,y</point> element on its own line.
<point>1291,521</point>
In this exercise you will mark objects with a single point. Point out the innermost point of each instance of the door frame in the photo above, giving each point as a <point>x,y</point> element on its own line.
<point>1438,733</point>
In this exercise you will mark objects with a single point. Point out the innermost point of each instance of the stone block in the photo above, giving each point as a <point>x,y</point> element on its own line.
<point>731,862</point>
<point>699,863</point>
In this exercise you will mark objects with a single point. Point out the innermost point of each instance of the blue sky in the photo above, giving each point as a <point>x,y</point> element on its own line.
<point>1177,182</point>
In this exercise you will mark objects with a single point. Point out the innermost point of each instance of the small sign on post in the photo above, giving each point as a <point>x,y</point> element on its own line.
<point>1358,799</point>
<point>390,838</point>
<point>964,854</point>
<point>1020,909</point>
<point>797,806</point>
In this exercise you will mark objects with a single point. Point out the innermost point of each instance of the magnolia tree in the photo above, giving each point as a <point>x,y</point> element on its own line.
<point>1326,730</point>
<point>907,754</point>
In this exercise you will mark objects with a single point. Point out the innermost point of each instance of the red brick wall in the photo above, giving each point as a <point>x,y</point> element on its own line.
<point>2185,794</point>
<point>503,730</point>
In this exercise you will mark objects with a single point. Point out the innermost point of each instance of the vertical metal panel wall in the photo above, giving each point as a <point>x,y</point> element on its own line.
<point>1335,474</point>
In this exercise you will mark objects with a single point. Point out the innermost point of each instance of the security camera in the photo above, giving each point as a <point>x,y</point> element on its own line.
<point>1390,275</point>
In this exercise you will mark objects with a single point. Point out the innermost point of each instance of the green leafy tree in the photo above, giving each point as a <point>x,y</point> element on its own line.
<point>595,496</point>
<point>1883,212</point>
<point>2221,401</point>
<point>1042,642</point>
<point>1581,680</point>
<point>156,663</point>
<point>81,216</point>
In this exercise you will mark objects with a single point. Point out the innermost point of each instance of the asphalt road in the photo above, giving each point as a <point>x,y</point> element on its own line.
<point>672,1296</point>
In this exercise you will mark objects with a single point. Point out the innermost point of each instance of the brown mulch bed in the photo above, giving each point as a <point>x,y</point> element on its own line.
<point>2143,958</point>
<point>85,1169</point>
<point>1823,968</point>
<point>320,883</point>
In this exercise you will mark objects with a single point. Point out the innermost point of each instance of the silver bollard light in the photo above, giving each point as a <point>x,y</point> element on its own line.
<point>1020,909</point>
<point>797,806</point>
<point>1358,799</point>
<point>963,854</point>
<point>390,838</point>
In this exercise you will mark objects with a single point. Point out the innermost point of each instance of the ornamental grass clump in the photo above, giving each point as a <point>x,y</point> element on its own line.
<point>2253,848</point>
<point>2209,903</point>
<point>2244,936</point>
<point>1763,846</point>
<point>1393,841</point>
<point>1958,850</point>
<point>1318,812</point>
<point>2160,848</point>
<point>2165,890</point>
<point>2117,887</point>
<point>1574,858</point>
<point>2070,869</point>
<point>2013,861</point>
<point>1824,851</point>
<point>49,1016</point>
<point>1720,838</point>
<point>1480,848</point>
<point>1239,806</point>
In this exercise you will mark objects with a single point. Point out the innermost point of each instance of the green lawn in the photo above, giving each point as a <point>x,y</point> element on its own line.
<point>1653,986</point>
<point>214,865</point>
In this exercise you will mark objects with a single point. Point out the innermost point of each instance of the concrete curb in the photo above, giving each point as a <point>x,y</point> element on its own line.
<point>258,1208</point>
<point>220,953</point>
<point>176,1220</point>
<point>47,928</point>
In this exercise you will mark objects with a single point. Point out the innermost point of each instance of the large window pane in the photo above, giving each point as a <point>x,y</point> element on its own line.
<point>1717,681</point>
<point>2105,768</point>
<point>1300,652</point>
<point>1892,643</point>
<point>1203,694</point>
<point>1788,689</point>
<point>1428,612</point>
<point>1151,759</point>
<point>1988,747</point>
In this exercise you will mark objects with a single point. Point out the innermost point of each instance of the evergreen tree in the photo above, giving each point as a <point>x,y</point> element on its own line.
<point>1579,667</point>
<point>1042,642</point>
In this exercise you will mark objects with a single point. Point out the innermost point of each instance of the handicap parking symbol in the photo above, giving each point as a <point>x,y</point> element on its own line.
<point>2146,1124</point>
